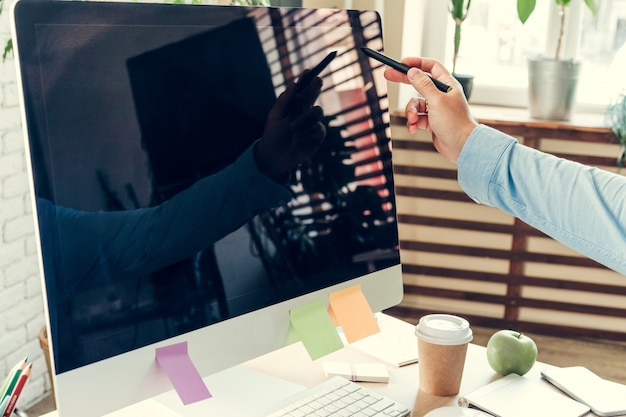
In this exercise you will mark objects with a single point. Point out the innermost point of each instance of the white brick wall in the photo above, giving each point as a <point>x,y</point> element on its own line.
<point>21,308</point>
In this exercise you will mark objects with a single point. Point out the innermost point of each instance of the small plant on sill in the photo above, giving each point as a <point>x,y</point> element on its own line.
<point>458,11</point>
<point>616,119</point>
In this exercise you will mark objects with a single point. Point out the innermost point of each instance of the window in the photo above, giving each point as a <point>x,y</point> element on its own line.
<point>603,51</point>
<point>495,47</point>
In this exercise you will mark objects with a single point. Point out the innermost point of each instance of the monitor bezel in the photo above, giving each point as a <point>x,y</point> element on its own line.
<point>241,338</point>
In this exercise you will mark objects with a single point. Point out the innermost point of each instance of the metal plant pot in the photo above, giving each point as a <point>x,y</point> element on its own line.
<point>552,88</point>
<point>467,82</point>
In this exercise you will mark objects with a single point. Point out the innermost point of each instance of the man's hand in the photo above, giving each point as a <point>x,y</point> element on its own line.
<point>445,115</point>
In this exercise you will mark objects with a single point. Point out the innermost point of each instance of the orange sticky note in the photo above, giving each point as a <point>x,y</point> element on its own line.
<point>350,310</point>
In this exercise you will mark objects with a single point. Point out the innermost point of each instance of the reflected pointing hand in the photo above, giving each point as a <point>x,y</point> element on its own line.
<point>294,130</point>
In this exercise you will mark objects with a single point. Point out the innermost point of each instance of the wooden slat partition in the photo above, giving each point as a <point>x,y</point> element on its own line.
<point>476,261</point>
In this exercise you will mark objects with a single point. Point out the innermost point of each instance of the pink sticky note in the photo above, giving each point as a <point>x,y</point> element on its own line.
<point>183,375</point>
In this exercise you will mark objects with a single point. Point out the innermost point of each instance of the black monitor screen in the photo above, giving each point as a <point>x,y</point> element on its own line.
<point>126,111</point>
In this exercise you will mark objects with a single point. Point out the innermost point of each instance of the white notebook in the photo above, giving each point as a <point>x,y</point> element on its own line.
<point>396,342</point>
<point>357,372</point>
<point>517,396</point>
<point>605,398</point>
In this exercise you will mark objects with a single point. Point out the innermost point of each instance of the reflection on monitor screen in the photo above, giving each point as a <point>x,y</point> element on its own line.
<point>135,115</point>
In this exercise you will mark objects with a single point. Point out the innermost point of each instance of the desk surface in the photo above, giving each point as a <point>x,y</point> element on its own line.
<point>292,363</point>
<point>403,383</point>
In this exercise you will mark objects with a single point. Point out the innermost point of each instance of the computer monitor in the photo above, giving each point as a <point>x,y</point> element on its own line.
<point>126,105</point>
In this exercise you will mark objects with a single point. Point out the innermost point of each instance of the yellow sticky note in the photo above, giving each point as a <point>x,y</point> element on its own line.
<point>350,310</point>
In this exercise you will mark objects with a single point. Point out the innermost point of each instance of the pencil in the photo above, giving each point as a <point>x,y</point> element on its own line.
<point>13,397</point>
<point>397,65</point>
<point>317,70</point>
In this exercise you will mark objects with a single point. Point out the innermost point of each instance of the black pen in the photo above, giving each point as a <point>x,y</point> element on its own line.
<point>397,65</point>
<point>317,70</point>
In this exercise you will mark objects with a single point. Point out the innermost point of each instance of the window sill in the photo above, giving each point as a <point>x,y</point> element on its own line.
<point>516,117</point>
<point>520,116</point>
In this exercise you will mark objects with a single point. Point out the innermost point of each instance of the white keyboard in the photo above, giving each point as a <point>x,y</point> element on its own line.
<point>338,397</point>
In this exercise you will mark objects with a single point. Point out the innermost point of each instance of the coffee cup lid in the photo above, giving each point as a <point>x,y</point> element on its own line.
<point>444,329</point>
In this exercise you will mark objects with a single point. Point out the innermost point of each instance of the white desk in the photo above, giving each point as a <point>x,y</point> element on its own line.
<point>292,363</point>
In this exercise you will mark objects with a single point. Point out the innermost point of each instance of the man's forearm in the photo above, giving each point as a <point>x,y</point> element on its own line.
<point>580,206</point>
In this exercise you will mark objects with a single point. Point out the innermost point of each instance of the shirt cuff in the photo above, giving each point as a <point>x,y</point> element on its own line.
<point>259,186</point>
<point>481,155</point>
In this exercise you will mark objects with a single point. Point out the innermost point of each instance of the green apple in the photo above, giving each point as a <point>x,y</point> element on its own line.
<point>510,352</point>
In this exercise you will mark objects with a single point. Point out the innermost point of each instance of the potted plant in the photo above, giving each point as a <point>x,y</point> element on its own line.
<point>8,47</point>
<point>616,119</point>
<point>552,80</point>
<point>458,10</point>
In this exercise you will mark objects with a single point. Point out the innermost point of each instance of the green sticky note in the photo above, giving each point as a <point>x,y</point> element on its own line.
<point>292,336</point>
<point>315,329</point>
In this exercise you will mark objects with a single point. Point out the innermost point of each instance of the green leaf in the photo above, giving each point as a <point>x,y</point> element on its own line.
<point>459,8</point>
<point>525,9</point>
<point>7,48</point>
<point>592,6</point>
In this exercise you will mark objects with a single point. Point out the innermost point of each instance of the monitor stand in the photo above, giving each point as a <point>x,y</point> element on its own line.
<point>236,392</point>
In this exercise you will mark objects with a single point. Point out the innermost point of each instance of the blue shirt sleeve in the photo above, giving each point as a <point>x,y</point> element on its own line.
<point>89,248</point>
<point>84,249</point>
<point>581,206</point>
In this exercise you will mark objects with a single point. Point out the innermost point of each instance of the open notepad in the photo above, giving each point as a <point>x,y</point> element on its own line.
<point>395,343</point>
<point>517,396</point>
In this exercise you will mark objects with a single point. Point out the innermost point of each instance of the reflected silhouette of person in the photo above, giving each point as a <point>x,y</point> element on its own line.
<point>84,249</point>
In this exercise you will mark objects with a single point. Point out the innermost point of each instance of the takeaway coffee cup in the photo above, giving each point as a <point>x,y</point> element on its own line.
<point>442,345</point>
